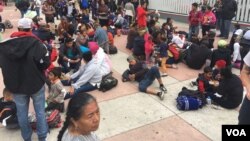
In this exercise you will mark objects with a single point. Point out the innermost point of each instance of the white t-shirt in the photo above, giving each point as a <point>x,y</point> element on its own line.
<point>68,137</point>
<point>178,41</point>
<point>247,59</point>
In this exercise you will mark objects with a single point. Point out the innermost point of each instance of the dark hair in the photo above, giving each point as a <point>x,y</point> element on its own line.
<point>209,8</point>
<point>87,56</point>
<point>75,110</point>
<point>6,92</point>
<point>168,20</point>
<point>207,69</point>
<point>67,40</point>
<point>57,71</point>
<point>237,26</point>
<point>195,4</point>
<point>24,29</point>
<point>226,72</point>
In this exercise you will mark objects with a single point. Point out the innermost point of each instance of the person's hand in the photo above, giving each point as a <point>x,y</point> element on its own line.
<point>71,90</point>
<point>75,61</point>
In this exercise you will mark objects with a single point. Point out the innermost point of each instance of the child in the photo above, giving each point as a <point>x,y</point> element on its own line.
<point>220,64</point>
<point>55,100</point>
<point>204,81</point>
<point>148,47</point>
<point>8,115</point>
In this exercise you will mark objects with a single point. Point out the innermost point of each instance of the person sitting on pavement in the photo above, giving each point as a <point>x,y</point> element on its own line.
<point>69,56</point>
<point>222,53</point>
<point>229,93</point>
<point>140,73</point>
<point>87,78</point>
<point>101,37</point>
<point>102,60</point>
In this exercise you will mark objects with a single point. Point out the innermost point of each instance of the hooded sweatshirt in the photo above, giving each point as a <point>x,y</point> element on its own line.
<point>23,59</point>
<point>221,53</point>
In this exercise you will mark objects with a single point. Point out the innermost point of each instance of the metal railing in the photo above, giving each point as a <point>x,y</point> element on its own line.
<point>184,6</point>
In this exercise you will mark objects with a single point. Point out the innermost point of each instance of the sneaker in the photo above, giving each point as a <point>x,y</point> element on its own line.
<point>164,89</point>
<point>161,95</point>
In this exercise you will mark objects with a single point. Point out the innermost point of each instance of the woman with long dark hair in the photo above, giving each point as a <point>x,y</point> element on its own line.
<point>82,118</point>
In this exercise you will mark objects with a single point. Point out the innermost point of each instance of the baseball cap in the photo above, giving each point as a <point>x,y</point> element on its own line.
<point>93,47</point>
<point>221,64</point>
<point>24,23</point>
<point>247,35</point>
<point>130,58</point>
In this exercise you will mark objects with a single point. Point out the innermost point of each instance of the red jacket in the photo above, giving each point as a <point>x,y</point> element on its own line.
<point>141,17</point>
<point>208,18</point>
<point>194,17</point>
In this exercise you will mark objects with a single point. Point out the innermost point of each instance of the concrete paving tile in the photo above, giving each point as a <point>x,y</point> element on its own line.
<point>170,97</point>
<point>209,120</point>
<point>120,43</point>
<point>169,129</point>
<point>129,112</point>
<point>122,89</point>
<point>119,62</point>
<point>183,72</point>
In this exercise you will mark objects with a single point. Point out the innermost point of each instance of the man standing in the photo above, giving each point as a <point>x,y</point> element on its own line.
<point>244,115</point>
<point>22,6</point>
<point>228,12</point>
<point>23,59</point>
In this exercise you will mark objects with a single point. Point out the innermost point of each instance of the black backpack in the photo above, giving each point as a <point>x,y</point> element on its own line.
<point>108,82</point>
<point>112,50</point>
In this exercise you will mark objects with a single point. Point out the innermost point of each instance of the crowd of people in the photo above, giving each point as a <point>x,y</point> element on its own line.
<point>85,35</point>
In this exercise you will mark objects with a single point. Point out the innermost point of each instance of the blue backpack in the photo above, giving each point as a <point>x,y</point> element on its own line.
<point>187,103</point>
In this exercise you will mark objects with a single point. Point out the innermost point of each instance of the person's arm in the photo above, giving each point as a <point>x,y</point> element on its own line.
<point>213,20</point>
<point>85,77</point>
<point>244,75</point>
<point>236,52</point>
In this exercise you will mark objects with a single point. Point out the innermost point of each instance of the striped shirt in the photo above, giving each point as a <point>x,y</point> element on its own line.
<point>90,137</point>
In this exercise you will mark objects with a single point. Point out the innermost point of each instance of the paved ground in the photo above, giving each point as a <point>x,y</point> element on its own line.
<point>128,115</point>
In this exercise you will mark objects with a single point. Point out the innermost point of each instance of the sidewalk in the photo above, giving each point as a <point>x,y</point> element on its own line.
<point>129,115</point>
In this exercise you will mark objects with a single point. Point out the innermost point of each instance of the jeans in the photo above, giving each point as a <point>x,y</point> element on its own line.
<point>84,88</point>
<point>225,28</point>
<point>193,30</point>
<point>66,68</point>
<point>244,114</point>
<point>37,11</point>
<point>23,12</point>
<point>22,104</point>
<point>149,78</point>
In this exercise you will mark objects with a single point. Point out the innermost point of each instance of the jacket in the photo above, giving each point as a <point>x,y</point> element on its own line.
<point>221,53</point>
<point>139,70</point>
<point>23,59</point>
<point>194,18</point>
<point>228,10</point>
<point>208,18</point>
<point>88,73</point>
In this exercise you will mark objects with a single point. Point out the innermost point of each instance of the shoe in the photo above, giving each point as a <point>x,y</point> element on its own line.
<point>164,89</point>
<point>164,74</point>
<point>161,95</point>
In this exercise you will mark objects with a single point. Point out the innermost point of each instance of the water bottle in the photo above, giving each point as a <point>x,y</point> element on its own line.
<point>209,101</point>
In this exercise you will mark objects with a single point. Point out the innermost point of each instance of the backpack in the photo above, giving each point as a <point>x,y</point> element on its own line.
<point>8,115</point>
<point>190,100</point>
<point>112,50</point>
<point>53,119</point>
<point>108,82</point>
<point>8,24</point>
<point>174,51</point>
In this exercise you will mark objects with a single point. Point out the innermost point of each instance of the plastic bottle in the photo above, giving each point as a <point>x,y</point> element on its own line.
<point>209,101</point>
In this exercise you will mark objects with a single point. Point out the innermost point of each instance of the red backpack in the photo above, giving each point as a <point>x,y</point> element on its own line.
<point>173,49</point>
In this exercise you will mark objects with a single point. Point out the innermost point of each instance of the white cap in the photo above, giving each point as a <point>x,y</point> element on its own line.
<point>238,32</point>
<point>24,23</point>
<point>247,35</point>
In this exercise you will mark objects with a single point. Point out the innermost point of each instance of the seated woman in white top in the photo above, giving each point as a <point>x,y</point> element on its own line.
<point>82,118</point>
<point>101,58</point>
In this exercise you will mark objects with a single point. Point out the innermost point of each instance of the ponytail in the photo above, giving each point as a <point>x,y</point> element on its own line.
<point>65,126</point>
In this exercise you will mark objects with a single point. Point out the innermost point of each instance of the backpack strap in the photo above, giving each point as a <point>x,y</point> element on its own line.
<point>5,109</point>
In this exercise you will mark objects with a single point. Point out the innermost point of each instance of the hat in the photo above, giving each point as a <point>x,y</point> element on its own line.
<point>238,32</point>
<point>130,58</point>
<point>93,47</point>
<point>222,43</point>
<point>247,35</point>
<point>220,64</point>
<point>24,23</point>
<point>30,14</point>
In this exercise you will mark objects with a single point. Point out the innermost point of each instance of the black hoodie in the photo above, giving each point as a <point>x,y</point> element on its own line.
<point>23,61</point>
<point>221,54</point>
